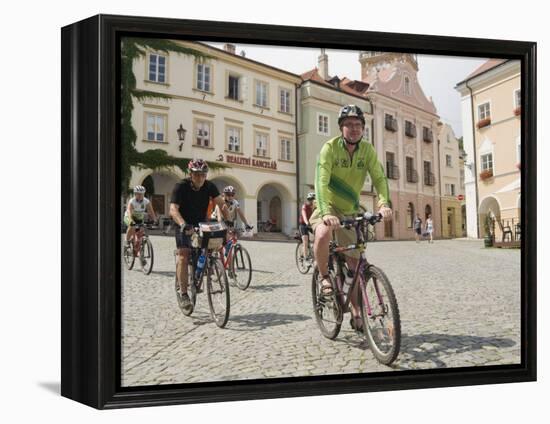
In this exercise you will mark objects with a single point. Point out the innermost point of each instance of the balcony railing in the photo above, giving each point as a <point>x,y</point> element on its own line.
<point>392,171</point>
<point>412,176</point>
<point>391,124</point>
<point>429,178</point>
<point>410,130</point>
<point>427,135</point>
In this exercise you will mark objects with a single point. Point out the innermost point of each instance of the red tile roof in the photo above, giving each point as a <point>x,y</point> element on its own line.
<point>491,63</point>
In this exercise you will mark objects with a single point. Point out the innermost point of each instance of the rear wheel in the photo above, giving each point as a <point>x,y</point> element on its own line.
<point>380,315</point>
<point>217,290</point>
<point>146,256</point>
<point>241,267</point>
<point>327,310</point>
<point>129,257</point>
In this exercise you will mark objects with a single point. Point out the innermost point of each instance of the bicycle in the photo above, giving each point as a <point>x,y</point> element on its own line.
<point>206,240</point>
<point>140,247</point>
<point>236,259</point>
<point>380,319</point>
<point>303,263</point>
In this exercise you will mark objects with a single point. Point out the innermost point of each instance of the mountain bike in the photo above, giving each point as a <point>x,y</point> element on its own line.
<point>140,247</point>
<point>206,241</point>
<point>304,263</point>
<point>380,319</point>
<point>236,259</point>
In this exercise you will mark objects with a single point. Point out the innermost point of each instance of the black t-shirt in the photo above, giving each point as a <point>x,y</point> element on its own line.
<point>193,204</point>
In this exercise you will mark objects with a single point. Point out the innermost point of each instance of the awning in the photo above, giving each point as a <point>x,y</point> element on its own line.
<point>514,185</point>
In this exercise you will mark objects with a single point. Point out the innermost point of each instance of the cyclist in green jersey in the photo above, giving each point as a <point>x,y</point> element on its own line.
<point>341,171</point>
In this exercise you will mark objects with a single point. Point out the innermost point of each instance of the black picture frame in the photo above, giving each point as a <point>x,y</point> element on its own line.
<point>90,211</point>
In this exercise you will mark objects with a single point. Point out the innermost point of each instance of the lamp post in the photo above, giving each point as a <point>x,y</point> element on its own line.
<point>181,136</point>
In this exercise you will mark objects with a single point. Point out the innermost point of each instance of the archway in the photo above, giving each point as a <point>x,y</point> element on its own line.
<point>488,215</point>
<point>274,202</point>
<point>427,211</point>
<point>223,181</point>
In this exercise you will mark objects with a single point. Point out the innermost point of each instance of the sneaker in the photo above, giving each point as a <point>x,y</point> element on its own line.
<point>186,304</point>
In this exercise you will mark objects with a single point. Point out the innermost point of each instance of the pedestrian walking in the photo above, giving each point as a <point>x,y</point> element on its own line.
<point>417,227</point>
<point>430,228</point>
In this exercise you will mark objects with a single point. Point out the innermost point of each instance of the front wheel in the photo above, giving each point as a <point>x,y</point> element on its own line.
<point>146,256</point>
<point>129,257</point>
<point>303,263</point>
<point>327,309</point>
<point>380,315</point>
<point>217,290</point>
<point>241,267</point>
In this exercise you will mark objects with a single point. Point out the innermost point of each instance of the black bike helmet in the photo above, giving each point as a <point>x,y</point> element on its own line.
<point>350,111</point>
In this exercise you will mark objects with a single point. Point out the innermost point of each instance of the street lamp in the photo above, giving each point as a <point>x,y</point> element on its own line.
<point>181,136</point>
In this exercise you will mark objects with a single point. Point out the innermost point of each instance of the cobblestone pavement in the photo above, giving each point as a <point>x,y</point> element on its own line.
<point>459,305</point>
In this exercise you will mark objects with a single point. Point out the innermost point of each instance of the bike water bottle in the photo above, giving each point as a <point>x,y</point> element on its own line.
<point>200,266</point>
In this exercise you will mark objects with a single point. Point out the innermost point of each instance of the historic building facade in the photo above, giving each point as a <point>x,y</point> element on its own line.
<point>233,110</point>
<point>491,111</point>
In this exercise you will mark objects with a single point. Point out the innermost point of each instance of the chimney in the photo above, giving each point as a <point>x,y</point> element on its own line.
<point>323,65</point>
<point>229,48</point>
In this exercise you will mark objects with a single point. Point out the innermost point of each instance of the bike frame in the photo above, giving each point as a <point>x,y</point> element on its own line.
<point>233,239</point>
<point>137,239</point>
<point>360,268</point>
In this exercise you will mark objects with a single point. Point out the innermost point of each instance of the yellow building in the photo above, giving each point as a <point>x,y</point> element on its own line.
<point>451,168</point>
<point>491,105</point>
<point>234,110</point>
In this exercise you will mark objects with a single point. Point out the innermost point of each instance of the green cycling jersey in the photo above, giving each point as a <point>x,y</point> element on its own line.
<point>340,176</point>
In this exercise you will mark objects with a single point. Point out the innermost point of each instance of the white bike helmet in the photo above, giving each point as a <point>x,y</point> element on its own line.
<point>139,189</point>
<point>311,196</point>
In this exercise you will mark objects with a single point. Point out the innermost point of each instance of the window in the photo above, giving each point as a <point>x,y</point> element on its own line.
<point>517,98</point>
<point>261,94</point>
<point>484,111</point>
<point>390,123</point>
<point>448,160</point>
<point>366,134</point>
<point>322,124</point>
<point>392,171</point>
<point>285,149</point>
<point>410,215</point>
<point>486,161</point>
<point>450,190</point>
<point>462,178</point>
<point>234,139</point>
<point>203,77</point>
<point>203,136</point>
<point>448,138</point>
<point>156,127</point>
<point>261,144</point>
<point>412,175</point>
<point>233,87</point>
<point>407,86</point>
<point>284,100</point>
<point>410,129</point>
<point>157,68</point>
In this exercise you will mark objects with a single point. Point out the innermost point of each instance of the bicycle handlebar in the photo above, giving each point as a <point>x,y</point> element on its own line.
<point>367,216</point>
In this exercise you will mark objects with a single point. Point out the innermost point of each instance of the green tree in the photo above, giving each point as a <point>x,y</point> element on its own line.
<point>132,49</point>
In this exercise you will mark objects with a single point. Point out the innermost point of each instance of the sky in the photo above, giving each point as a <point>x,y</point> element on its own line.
<point>438,75</point>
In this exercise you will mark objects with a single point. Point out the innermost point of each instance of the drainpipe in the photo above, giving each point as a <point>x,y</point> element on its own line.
<point>475,154</point>
<point>297,88</point>
<point>440,202</point>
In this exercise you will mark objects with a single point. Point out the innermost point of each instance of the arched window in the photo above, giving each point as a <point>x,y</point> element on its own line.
<point>427,211</point>
<point>410,215</point>
<point>407,86</point>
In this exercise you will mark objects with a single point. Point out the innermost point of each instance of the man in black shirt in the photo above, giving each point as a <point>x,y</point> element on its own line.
<point>188,207</point>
